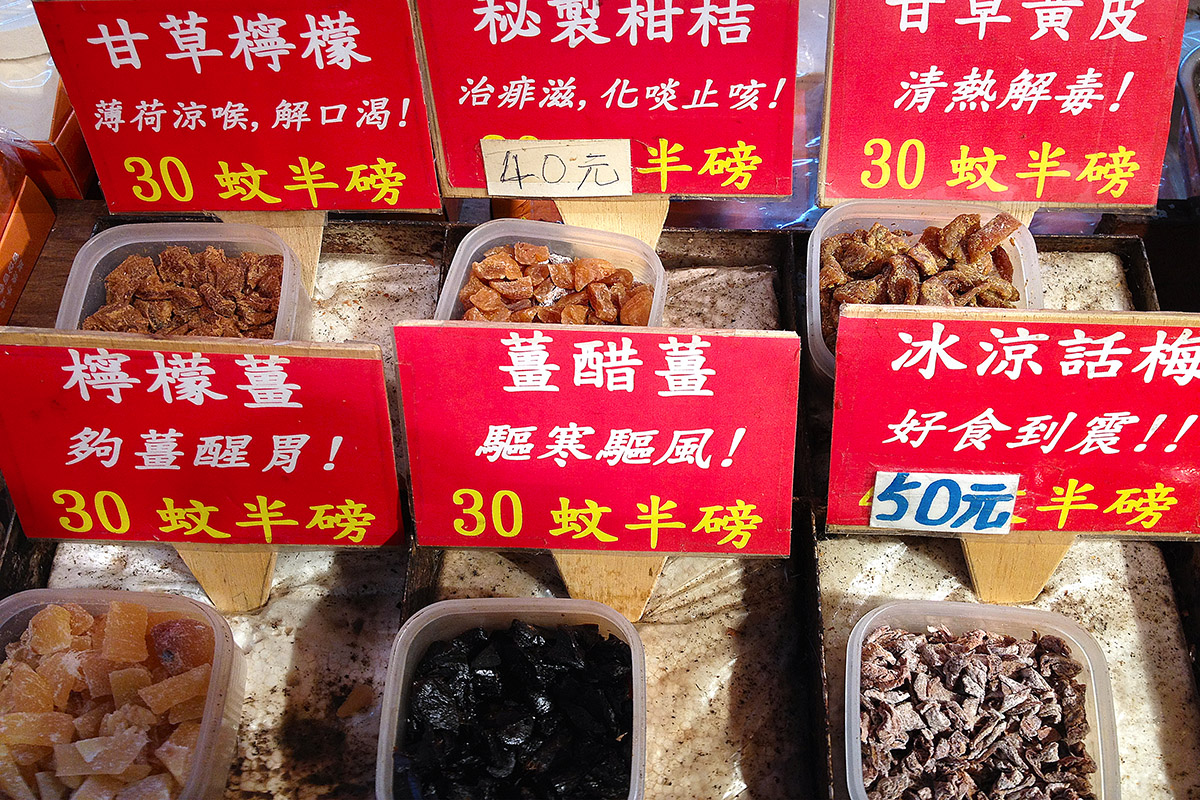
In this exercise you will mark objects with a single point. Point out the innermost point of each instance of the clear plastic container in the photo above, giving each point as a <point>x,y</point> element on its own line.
<point>623,251</point>
<point>917,616</point>
<point>913,216</point>
<point>226,690</point>
<point>447,619</point>
<point>105,251</point>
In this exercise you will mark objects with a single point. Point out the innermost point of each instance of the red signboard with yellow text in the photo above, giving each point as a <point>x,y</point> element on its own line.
<point>1047,101</point>
<point>703,89</point>
<point>123,439</point>
<point>1074,422</point>
<point>604,439</point>
<point>278,105</point>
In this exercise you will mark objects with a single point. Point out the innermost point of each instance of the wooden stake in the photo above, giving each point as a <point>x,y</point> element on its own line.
<point>623,582</point>
<point>236,581</point>
<point>239,579</point>
<point>1015,567</point>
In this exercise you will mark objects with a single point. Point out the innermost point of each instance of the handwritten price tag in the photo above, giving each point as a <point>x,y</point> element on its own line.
<point>557,167</point>
<point>930,501</point>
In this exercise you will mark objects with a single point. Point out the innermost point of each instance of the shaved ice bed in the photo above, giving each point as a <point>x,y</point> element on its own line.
<point>105,707</point>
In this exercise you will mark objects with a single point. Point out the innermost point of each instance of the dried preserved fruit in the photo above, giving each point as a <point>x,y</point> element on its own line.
<point>960,264</point>
<point>192,294</point>
<point>545,287</point>
<point>525,712</point>
<point>87,720</point>
<point>978,715</point>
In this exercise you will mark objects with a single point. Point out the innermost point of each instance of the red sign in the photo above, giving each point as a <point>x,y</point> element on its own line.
<point>1049,101</point>
<point>279,105</point>
<point>165,444</point>
<point>611,439</point>
<point>703,88</point>
<point>1098,420</point>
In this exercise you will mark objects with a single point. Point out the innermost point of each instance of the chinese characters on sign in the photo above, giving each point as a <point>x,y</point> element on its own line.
<point>704,89</point>
<point>282,106</point>
<point>1098,421</point>
<point>588,168</point>
<point>162,445</point>
<point>953,91</point>
<point>625,441</point>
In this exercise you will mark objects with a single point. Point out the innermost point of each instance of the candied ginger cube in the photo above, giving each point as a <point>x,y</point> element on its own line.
<point>29,754</point>
<point>96,670</point>
<point>26,691</point>
<point>176,752</point>
<point>128,716</point>
<point>102,755</point>
<point>81,620</point>
<point>182,644</point>
<point>87,724</point>
<point>23,727</point>
<point>154,787</point>
<point>135,772</point>
<point>61,670</point>
<point>12,782</point>
<point>188,709</point>
<point>98,787</point>
<point>50,630</point>
<point>127,682</point>
<point>50,787</point>
<point>176,689</point>
<point>125,633</point>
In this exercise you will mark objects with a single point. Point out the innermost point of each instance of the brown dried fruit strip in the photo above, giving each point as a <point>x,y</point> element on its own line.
<point>991,235</point>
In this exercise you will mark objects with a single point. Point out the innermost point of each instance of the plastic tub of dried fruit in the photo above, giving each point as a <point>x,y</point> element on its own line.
<point>566,244</point>
<point>921,617</point>
<point>163,701</point>
<point>235,307</point>
<point>913,216</point>
<point>441,622</point>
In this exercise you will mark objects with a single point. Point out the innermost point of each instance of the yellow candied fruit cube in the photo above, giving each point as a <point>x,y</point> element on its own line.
<point>49,787</point>
<point>127,682</point>
<point>98,787</point>
<point>128,716</point>
<point>11,781</point>
<point>135,772</point>
<point>125,633</point>
<point>29,754</point>
<point>176,752</point>
<point>61,671</point>
<point>188,710</point>
<point>87,724</point>
<point>23,727</point>
<point>101,755</point>
<point>176,689</point>
<point>96,670</point>
<point>81,620</point>
<point>154,787</point>
<point>26,691</point>
<point>50,630</point>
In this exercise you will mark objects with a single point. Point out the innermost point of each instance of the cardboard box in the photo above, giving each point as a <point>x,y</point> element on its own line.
<point>63,168</point>
<point>22,234</point>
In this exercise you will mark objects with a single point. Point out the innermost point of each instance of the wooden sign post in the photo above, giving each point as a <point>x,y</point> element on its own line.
<point>1015,431</point>
<point>623,582</point>
<point>226,448</point>
<point>518,442</point>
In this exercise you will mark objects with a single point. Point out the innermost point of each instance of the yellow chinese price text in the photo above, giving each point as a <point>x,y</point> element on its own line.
<point>106,506</point>
<point>911,153</point>
<point>506,522</point>
<point>172,173</point>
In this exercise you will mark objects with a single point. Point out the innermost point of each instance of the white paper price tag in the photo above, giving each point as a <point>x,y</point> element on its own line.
<point>557,167</point>
<point>931,501</point>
